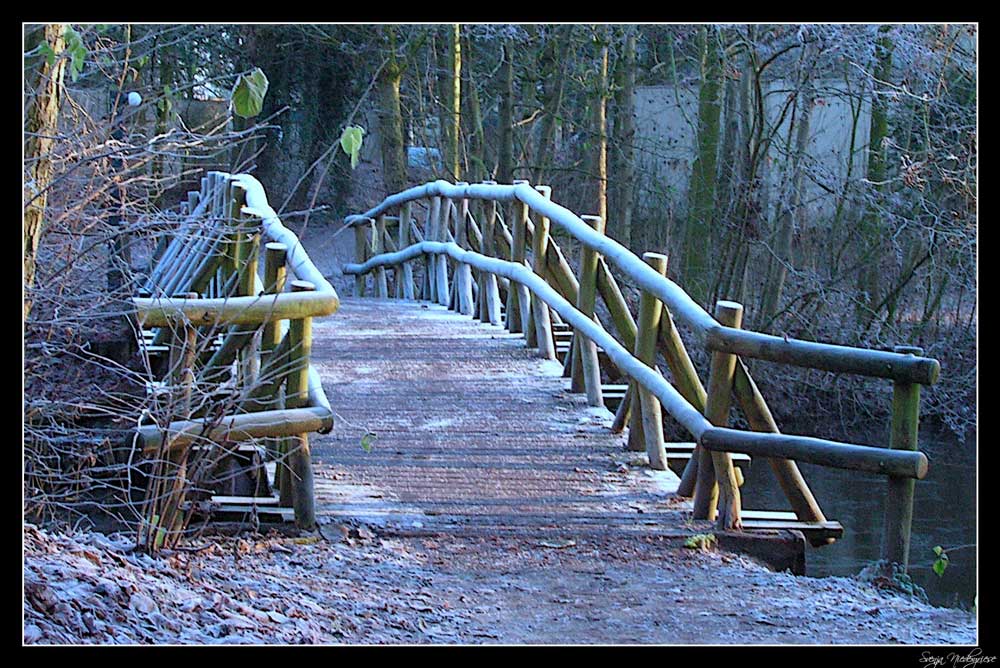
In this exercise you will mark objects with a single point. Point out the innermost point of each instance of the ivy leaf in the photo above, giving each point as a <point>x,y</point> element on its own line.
<point>50,55</point>
<point>366,441</point>
<point>77,51</point>
<point>350,141</point>
<point>248,95</point>
<point>941,563</point>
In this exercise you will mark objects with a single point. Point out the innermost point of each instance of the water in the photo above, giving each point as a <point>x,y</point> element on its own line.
<point>944,513</point>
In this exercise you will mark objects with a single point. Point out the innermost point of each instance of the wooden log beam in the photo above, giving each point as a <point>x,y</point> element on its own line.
<point>829,357</point>
<point>585,367</point>
<point>650,311</point>
<point>297,396</point>
<point>901,463</point>
<point>236,428</point>
<point>903,438</point>
<point>716,483</point>
<point>541,321</point>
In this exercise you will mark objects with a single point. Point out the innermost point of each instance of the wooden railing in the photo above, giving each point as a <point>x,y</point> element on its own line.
<point>206,277</point>
<point>464,226</point>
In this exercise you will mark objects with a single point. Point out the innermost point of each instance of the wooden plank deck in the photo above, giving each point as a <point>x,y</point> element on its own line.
<point>473,433</point>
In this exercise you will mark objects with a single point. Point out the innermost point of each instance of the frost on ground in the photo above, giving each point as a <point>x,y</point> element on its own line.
<point>354,587</point>
<point>89,588</point>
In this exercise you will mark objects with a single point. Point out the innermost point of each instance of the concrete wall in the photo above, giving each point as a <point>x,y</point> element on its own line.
<point>666,130</point>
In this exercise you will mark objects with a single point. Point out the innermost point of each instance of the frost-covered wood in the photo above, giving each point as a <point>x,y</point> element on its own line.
<point>828,357</point>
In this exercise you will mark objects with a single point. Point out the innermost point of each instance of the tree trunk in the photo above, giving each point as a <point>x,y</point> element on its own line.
<point>552,69</point>
<point>871,222</point>
<point>602,132</point>
<point>698,233</point>
<point>391,125</point>
<point>474,118</point>
<point>625,175</point>
<point>454,158</point>
<point>790,207</point>
<point>505,166</point>
<point>41,126</point>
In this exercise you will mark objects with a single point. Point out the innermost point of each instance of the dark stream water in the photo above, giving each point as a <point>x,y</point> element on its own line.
<point>944,513</point>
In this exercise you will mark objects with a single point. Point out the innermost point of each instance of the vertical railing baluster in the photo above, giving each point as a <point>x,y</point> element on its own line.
<point>297,396</point>
<point>650,312</point>
<point>585,367</point>
<point>378,234</point>
<point>406,288</point>
<point>717,480</point>
<point>541,320</point>
<point>463,272</point>
<point>899,499</point>
<point>515,295</point>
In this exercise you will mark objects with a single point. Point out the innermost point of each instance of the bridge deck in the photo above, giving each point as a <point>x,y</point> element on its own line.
<point>474,433</point>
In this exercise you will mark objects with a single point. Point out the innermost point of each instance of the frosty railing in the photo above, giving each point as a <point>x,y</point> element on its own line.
<point>208,277</point>
<point>703,413</point>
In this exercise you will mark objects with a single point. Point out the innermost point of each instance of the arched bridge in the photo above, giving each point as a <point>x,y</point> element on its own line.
<point>479,381</point>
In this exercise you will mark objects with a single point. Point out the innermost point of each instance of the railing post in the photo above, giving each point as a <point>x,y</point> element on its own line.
<point>463,272</point>
<point>275,274</point>
<point>430,234</point>
<point>378,234</point>
<point>517,301</point>
<point>404,282</point>
<point>903,436</point>
<point>297,396</point>
<point>716,477</point>
<point>650,311</point>
<point>541,319</point>
<point>360,252</point>
<point>585,368</point>
<point>439,218</point>
<point>489,290</point>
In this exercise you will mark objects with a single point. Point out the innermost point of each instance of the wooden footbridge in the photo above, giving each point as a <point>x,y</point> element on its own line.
<point>234,342</point>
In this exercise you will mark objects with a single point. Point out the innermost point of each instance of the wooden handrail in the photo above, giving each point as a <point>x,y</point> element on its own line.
<point>718,338</point>
<point>252,310</point>
<point>829,453</point>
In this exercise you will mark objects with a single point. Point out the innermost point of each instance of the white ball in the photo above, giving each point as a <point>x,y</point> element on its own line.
<point>134,99</point>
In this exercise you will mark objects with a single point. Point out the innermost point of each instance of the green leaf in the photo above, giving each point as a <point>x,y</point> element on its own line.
<point>700,541</point>
<point>367,440</point>
<point>350,141</point>
<point>50,55</point>
<point>941,563</point>
<point>77,51</point>
<point>248,95</point>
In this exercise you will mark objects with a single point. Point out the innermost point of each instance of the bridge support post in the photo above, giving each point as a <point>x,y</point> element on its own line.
<point>463,272</point>
<point>360,255</point>
<point>585,368</point>
<point>297,396</point>
<point>439,218</point>
<point>275,274</point>
<point>650,311</point>
<point>378,234</point>
<point>489,290</point>
<point>404,278</point>
<point>716,475</point>
<point>517,295</point>
<point>903,436</point>
<point>540,328</point>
